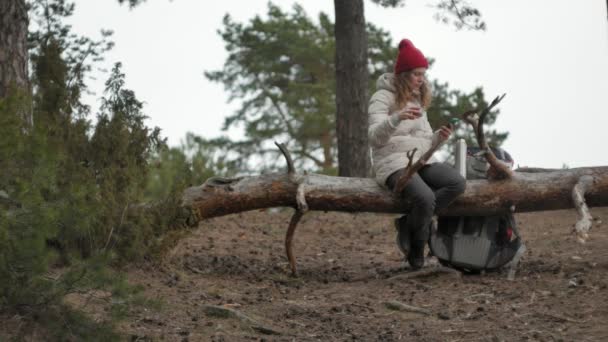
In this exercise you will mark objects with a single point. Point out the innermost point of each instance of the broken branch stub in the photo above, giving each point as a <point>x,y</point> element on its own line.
<point>497,170</point>
<point>411,169</point>
<point>288,159</point>
<point>583,225</point>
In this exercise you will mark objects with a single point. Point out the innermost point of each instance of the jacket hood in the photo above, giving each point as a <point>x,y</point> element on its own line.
<point>385,81</point>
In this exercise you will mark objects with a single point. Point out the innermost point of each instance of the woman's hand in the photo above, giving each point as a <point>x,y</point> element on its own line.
<point>410,113</point>
<point>445,132</point>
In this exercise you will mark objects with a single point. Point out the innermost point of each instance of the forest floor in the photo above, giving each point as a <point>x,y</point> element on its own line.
<point>349,268</point>
<point>229,280</point>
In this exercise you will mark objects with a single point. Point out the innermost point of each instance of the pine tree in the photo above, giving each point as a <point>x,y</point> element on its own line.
<point>282,69</point>
<point>66,187</point>
<point>351,89</point>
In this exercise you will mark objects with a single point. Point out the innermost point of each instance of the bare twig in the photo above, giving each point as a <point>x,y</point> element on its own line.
<point>425,272</point>
<point>194,269</point>
<point>559,317</point>
<point>449,331</point>
<point>398,306</point>
<point>471,117</point>
<point>410,170</point>
<point>465,15</point>
<point>484,113</point>
<point>497,169</point>
<point>223,312</point>
<point>410,157</point>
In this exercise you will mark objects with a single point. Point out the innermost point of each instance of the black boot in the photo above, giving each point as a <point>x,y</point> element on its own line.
<point>403,235</point>
<point>416,255</point>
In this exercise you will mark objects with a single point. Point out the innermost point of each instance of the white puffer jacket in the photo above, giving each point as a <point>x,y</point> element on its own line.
<point>391,143</point>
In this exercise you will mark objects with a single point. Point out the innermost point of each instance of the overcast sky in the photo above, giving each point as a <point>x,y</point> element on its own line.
<point>549,56</point>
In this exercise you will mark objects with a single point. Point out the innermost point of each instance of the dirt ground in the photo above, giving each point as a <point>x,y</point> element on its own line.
<point>229,280</point>
<point>349,268</point>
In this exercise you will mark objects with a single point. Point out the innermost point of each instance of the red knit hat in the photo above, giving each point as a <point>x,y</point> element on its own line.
<point>409,57</point>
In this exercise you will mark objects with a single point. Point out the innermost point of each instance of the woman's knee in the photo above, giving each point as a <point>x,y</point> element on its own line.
<point>425,200</point>
<point>460,185</point>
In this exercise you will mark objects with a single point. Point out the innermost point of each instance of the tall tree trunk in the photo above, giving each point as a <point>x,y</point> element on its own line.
<point>13,49</point>
<point>326,142</point>
<point>351,89</point>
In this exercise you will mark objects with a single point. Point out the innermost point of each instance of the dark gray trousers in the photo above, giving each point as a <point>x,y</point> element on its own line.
<point>431,189</point>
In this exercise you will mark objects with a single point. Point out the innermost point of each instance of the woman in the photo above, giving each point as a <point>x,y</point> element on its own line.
<point>397,124</point>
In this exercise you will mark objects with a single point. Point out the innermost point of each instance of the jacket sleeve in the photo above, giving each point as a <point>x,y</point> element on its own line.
<point>380,126</point>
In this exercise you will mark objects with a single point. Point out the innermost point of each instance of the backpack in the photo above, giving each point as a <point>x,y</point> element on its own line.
<point>477,243</point>
<point>477,165</point>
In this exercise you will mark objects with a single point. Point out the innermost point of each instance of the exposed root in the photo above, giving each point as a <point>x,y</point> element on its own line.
<point>583,225</point>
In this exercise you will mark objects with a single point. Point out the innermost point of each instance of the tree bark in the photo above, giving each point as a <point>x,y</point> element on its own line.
<point>525,192</point>
<point>13,49</point>
<point>351,89</point>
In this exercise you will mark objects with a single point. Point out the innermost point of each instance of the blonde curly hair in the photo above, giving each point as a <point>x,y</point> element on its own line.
<point>405,93</point>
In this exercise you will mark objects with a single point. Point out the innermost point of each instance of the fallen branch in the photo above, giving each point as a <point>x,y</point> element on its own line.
<point>398,306</point>
<point>223,312</point>
<point>426,272</point>
<point>558,318</point>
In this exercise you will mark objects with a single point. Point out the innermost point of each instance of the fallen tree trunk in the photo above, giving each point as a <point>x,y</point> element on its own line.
<point>526,192</point>
<point>522,192</point>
